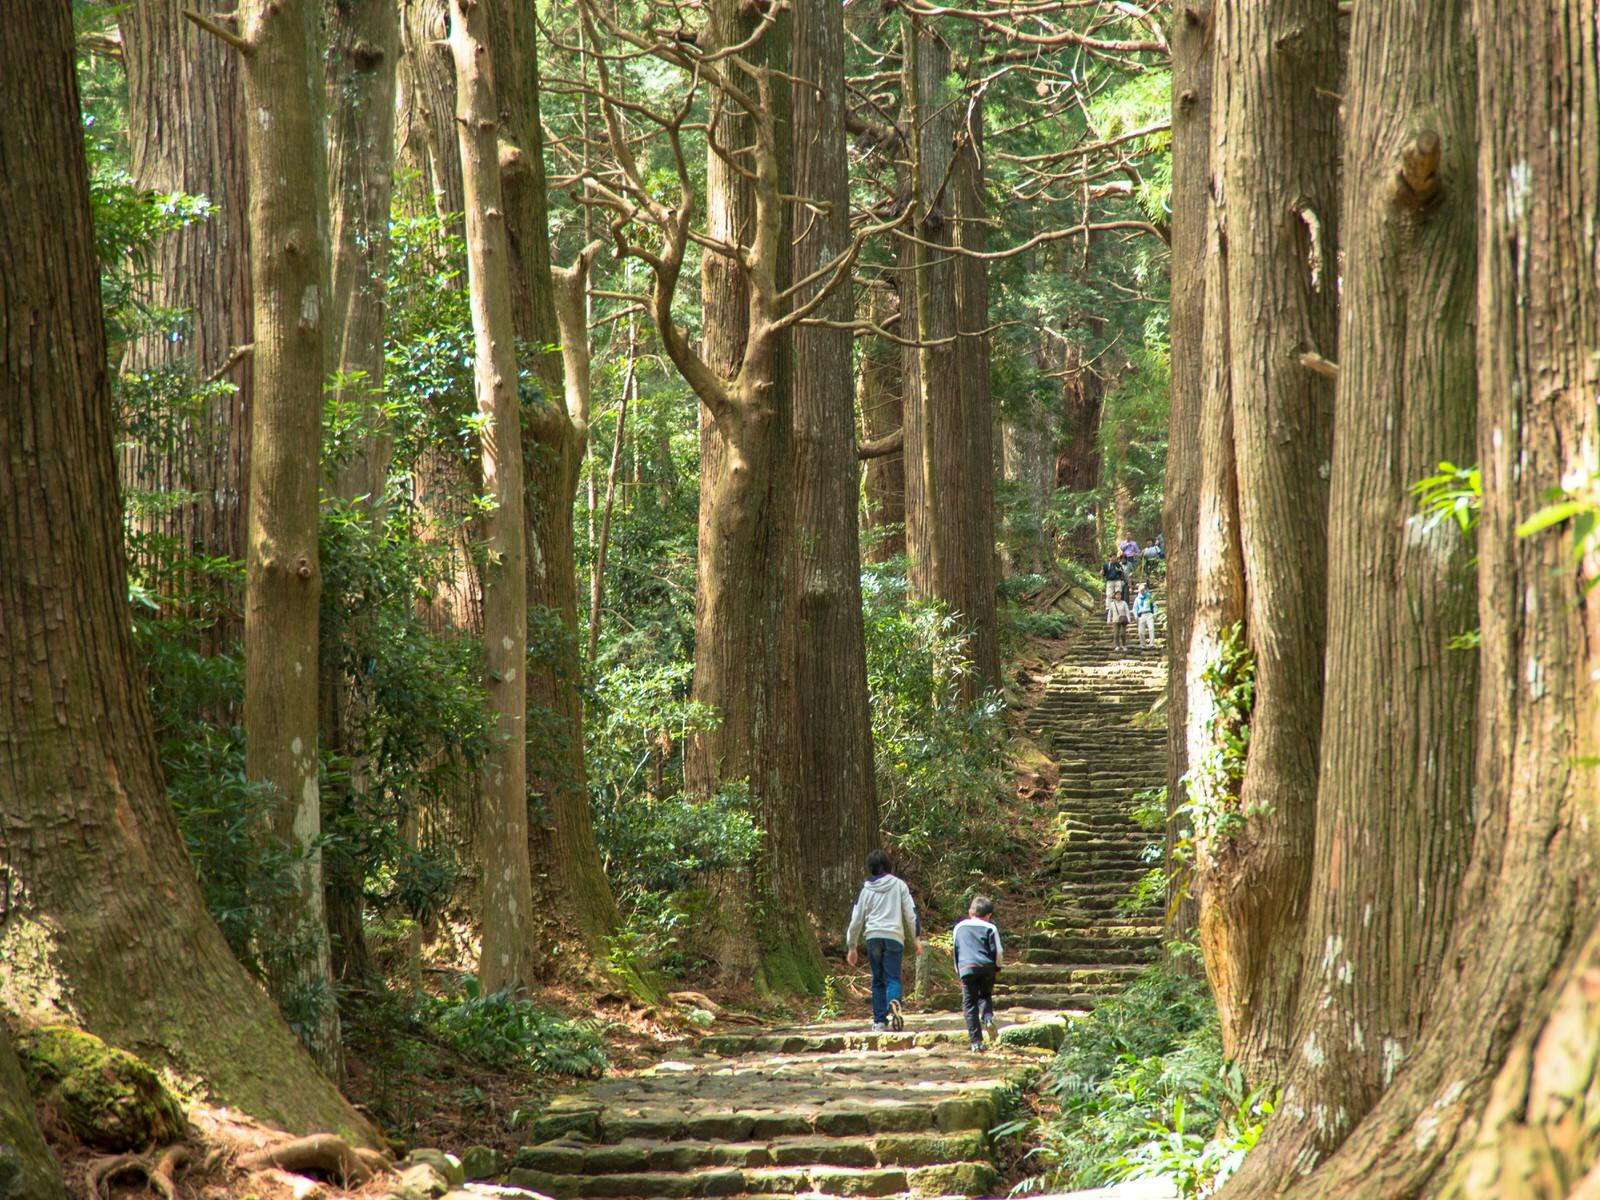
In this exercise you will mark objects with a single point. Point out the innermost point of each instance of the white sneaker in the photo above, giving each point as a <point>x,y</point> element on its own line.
<point>880,1027</point>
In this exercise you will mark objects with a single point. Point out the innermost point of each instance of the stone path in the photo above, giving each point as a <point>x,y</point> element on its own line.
<point>828,1109</point>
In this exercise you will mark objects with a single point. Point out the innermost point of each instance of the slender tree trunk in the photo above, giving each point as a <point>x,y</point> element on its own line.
<point>509,958</point>
<point>1277,201</point>
<point>1078,453</point>
<point>880,397</point>
<point>283,581</point>
<point>597,578</point>
<point>186,133</point>
<point>574,897</point>
<point>1489,1103</point>
<point>825,756</point>
<point>1190,37</point>
<point>28,1171</point>
<point>1394,817</point>
<point>364,48</point>
<point>104,924</point>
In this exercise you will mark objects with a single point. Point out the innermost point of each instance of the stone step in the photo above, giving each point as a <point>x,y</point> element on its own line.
<point>973,1178</point>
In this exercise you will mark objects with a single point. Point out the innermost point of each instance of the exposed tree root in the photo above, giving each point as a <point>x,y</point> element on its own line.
<point>324,1154</point>
<point>160,1174</point>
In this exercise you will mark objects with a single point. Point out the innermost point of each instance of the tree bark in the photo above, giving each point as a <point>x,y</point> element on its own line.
<point>101,910</point>
<point>880,397</point>
<point>186,133</point>
<point>574,897</point>
<point>1191,40</point>
<point>425,131</point>
<point>1490,1102</point>
<point>1393,818</point>
<point>283,581</point>
<point>508,957</point>
<point>1276,72</point>
<point>28,1171</point>
<point>824,760</point>
<point>363,52</point>
<point>1078,452</point>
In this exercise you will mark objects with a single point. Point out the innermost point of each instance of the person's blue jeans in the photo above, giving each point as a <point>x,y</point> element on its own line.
<point>884,954</point>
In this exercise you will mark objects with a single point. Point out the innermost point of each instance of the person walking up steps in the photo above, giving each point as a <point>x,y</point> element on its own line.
<point>1144,611</point>
<point>886,916</point>
<point>978,959</point>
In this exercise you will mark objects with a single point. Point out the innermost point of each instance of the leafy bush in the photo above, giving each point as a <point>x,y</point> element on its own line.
<point>502,1030</point>
<point>1137,1083</point>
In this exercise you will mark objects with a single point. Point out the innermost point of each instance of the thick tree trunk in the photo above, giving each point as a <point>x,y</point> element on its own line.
<point>283,581</point>
<point>425,134</point>
<point>1276,74</point>
<point>1029,467</point>
<point>574,897</point>
<point>949,512</point>
<point>363,51</point>
<point>104,923</point>
<point>1078,452</point>
<point>1490,1102</point>
<point>825,757</point>
<point>880,397</point>
<point>186,133</point>
<point>1393,815</point>
<point>1190,37</point>
<point>508,957</point>
<point>28,1171</point>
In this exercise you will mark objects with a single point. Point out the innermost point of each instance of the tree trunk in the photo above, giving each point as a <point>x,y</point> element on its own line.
<point>825,754</point>
<point>1277,200</point>
<point>1029,467</point>
<point>283,582</point>
<point>103,915</point>
<point>1400,700</point>
<point>1490,1102</point>
<point>426,109</point>
<point>574,897</point>
<point>186,133</point>
<point>880,397</point>
<point>951,544</point>
<point>364,48</point>
<point>28,1171</point>
<point>509,958</point>
<point>1078,452</point>
<point>1190,37</point>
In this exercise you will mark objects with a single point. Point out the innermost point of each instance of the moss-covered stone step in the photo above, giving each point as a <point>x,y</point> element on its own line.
<point>639,1156</point>
<point>924,1030</point>
<point>974,1178</point>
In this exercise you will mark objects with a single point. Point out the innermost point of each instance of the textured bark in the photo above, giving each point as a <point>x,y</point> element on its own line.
<point>28,1171</point>
<point>186,133</point>
<point>1028,464</point>
<point>1394,794</point>
<point>101,912</point>
<point>880,397</point>
<point>574,897</point>
<point>283,581</point>
<point>1078,452</point>
<point>425,132</point>
<point>363,52</point>
<point>509,957</point>
<point>824,758</point>
<point>1276,70</point>
<point>949,512</point>
<point>1190,37</point>
<point>1493,1100</point>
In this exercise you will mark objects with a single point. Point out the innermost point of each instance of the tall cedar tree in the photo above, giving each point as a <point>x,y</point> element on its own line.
<point>570,883</point>
<point>1490,1100</point>
<point>880,396</point>
<point>103,903</point>
<point>825,764</point>
<point>1275,205</point>
<point>509,956</point>
<point>1394,789</point>
<point>186,133</point>
<point>363,53</point>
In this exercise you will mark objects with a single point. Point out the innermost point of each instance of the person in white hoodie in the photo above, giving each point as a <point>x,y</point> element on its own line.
<point>886,916</point>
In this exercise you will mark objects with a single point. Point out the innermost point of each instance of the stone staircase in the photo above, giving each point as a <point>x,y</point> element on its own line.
<point>831,1110</point>
<point>1086,721</point>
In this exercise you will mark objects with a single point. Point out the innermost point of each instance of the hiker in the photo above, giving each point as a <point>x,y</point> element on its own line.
<point>1112,574</point>
<point>1144,611</point>
<point>1118,615</point>
<point>886,916</point>
<point>1130,554</point>
<point>978,959</point>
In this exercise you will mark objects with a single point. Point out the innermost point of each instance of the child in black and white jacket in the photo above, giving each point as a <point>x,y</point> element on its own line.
<point>978,956</point>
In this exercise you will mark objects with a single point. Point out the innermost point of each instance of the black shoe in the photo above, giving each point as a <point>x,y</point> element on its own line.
<point>897,1016</point>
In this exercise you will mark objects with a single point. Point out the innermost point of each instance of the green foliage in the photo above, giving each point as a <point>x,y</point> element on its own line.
<point>1453,493</point>
<point>1229,682</point>
<point>940,771</point>
<point>502,1030</point>
<point>1137,1081</point>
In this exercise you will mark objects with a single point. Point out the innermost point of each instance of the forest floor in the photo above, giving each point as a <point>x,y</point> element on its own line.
<point>801,1098</point>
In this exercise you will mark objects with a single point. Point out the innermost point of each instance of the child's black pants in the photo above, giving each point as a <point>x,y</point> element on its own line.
<point>977,999</point>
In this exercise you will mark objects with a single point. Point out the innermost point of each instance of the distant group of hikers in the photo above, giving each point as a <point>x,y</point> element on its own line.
<point>885,916</point>
<point>1124,606</point>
